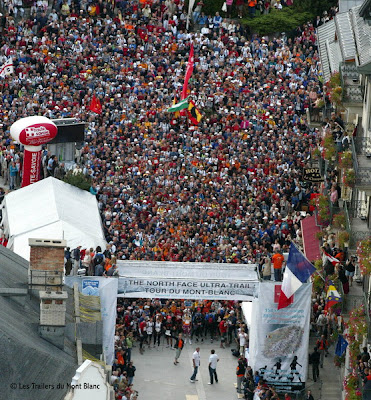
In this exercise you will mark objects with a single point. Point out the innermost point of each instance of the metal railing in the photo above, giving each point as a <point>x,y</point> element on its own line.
<point>367,301</point>
<point>363,176</point>
<point>347,219</point>
<point>358,209</point>
<point>45,279</point>
<point>363,145</point>
<point>354,154</point>
<point>327,110</point>
<point>352,91</point>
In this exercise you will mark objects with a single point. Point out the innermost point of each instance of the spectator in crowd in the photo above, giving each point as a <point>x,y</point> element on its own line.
<point>322,346</point>
<point>126,176</point>
<point>278,261</point>
<point>13,172</point>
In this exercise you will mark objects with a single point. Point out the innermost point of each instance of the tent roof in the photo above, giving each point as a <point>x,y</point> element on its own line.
<point>52,209</point>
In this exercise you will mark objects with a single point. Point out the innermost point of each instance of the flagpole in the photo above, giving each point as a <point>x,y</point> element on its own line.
<point>324,280</point>
<point>190,7</point>
<point>300,252</point>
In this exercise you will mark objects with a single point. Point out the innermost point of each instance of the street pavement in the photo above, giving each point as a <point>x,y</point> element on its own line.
<point>329,384</point>
<point>157,378</point>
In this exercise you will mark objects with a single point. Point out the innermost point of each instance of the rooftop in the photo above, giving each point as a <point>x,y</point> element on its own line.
<point>24,356</point>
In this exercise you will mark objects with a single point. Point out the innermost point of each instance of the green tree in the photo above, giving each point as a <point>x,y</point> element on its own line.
<point>79,180</point>
<point>284,20</point>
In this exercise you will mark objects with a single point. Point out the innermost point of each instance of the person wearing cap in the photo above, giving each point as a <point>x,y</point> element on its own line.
<point>231,324</point>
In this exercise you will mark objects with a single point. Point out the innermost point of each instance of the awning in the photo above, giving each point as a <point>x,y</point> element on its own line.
<point>309,229</point>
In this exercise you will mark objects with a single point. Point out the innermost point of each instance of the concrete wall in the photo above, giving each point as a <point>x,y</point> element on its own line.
<point>90,383</point>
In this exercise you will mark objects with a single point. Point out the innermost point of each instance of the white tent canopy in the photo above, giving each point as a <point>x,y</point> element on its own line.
<point>247,312</point>
<point>52,209</point>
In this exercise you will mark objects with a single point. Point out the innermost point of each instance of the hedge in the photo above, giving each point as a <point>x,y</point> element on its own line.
<point>284,20</point>
<point>316,7</point>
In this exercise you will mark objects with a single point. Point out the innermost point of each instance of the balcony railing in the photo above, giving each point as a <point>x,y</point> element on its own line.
<point>358,209</point>
<point>347,217</point>
<point>353,91</point>
<point>359,146</point>
<point>363,177</point>
<point>363,146</point>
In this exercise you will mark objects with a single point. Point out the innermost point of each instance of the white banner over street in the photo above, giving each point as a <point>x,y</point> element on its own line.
<point>279,338</point>
<point>187,280</point>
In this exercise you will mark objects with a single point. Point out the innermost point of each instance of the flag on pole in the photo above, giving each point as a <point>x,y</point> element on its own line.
<point>332,259</point>
<point>188,73</point>
<point>193,113</point>
<point>341,346</point>
<point>176,113</point>
<point>179,106</point>
<point>7,68</point>
<point>298,270</point>
<point>332,297</point>
<point>95,105</point>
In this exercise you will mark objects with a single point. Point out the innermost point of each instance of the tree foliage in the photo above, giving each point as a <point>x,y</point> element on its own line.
<point>284,20</point>
<point>79,180</point>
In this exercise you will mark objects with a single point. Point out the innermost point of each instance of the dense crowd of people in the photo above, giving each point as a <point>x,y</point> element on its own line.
<point>226,190</point>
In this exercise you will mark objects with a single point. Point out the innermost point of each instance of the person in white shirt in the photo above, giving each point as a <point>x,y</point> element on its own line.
<point>157,331</point>
<point>242,336</point>
<point>150,325</point>
<point>213,361</point>
<point>196,364</point>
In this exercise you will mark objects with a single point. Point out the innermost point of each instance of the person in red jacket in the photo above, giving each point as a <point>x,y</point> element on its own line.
<point>142,335</point>
<point>322,345</point>
<point>223,332</point>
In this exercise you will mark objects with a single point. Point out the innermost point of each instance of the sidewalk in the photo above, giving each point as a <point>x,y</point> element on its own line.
<point>329,384</point>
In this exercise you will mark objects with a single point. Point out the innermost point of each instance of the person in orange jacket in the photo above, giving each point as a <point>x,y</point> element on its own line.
<point>277,260</point>
<point>252,5</point>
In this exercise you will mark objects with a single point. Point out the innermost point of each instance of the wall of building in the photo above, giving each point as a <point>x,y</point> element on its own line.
<point>90,383</point>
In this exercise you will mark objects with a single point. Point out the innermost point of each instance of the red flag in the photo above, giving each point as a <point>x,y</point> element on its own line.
<point>332,259</point>
<point>188,73</point>
<point>95,105</point>
<point>283,301</point>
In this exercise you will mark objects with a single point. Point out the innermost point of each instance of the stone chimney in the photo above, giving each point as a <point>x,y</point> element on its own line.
<point>53,316</point>
<point>46,269</point>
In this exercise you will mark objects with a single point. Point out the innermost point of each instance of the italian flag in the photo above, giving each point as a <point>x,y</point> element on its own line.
<point>179,106</point>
